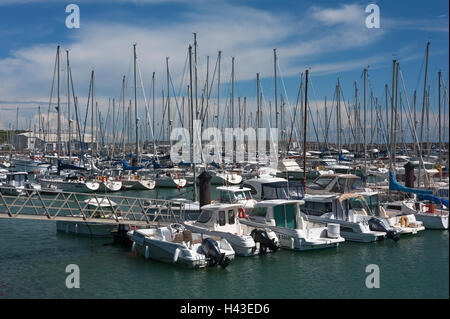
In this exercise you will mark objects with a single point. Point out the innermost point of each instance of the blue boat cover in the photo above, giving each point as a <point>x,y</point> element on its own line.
<point>344,159</point>
<point>435,199</point>
<point>395,186</point>
<point>126,167</point>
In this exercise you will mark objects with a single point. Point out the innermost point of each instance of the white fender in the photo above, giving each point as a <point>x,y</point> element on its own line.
<point>133,247</point>
<point>147,252</point>
<point>176,254</point>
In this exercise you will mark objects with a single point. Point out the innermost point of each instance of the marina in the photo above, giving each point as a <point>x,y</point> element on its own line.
<point>190,176</point>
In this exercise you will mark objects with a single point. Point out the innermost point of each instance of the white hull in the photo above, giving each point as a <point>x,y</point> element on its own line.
<point>166,181</point>
<point>433,221</point>
<point>110,186</point>
<point>71,186</point>
<point>138,184</point>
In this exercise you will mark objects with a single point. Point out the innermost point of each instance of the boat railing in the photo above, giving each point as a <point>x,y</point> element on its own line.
<point>57,205</point>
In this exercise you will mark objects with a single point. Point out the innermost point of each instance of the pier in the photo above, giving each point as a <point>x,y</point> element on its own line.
<point>98,208</point>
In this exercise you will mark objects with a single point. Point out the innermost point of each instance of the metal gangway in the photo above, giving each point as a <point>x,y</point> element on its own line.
<point>90,207</point>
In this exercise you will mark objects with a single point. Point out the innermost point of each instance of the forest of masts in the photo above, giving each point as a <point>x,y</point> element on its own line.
<point>391,121</point>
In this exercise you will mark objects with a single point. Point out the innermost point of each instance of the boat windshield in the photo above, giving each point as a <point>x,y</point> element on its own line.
<point>205,216</point>
<point>320,183</point>
<point>358,204</point>
<point>282,190</point>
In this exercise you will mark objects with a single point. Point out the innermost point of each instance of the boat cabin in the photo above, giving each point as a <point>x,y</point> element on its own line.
<point>279,213</point>
<point>220,217</point>
<point>274,188</point>
<point>336,183</point>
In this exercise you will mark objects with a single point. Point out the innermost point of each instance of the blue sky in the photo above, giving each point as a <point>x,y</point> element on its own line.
<point>329,37</point>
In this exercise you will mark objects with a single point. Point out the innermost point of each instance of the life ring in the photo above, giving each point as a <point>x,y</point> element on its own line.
<point>404,221</point>
<point>242,212</point>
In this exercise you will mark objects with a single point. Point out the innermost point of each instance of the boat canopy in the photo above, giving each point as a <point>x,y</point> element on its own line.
<point>395,186</point>
<point>282,190</point>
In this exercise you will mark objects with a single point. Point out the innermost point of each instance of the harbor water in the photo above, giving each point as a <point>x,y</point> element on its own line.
<point>33,259</point>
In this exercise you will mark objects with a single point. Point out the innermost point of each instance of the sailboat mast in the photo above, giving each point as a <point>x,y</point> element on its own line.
<point>135,107</point>
<point>365,124</point>
<point>68,108</point>
<point>276,98</point>
<point>169,122</point>
<point>304,130</point>
<point>92,115</point>
<point>192,122</point>
<point>423,113</point>
<point>58,147</point>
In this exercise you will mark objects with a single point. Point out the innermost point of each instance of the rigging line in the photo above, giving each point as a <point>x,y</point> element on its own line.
<point>179,113</point>
<point>210,87</point>
<point>318,114</point>
<point>287,98</point>
<point>145,100</point>
<point>414,131</point>
<point>275,141</point>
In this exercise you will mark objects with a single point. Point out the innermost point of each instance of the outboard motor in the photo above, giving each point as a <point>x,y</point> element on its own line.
<point>260,236</point>
<point>212,251</point>
<point>377,224</point>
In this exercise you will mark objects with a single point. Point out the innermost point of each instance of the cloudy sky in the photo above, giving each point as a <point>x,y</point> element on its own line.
<point>328,37</point>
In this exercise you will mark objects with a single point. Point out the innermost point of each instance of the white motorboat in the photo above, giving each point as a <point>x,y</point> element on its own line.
<point>177,245</point>
<point>352,218</point>
<point>427,213</point>
<point>222,220</point>
<point>17,184</point>
<point>99,208</point>
<point>291,226</point>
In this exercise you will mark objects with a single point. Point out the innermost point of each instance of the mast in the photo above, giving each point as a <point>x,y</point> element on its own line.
<point>275,72</point>
<point>218,88</point>
<point>135,107</point>
<point>192,122</point>
<point>153,116</point>
<point>440,136</point>
<point>92,116</point>
<point>68,108</point>
<point>123,115</point>
<point>304,130</point>
<point>338,118</point>
<point>195,68</point>
<point>58,147</point>
<point>423,111</point>
<point>232,92</point>
<point>365,124</point>
<point>169,122</point>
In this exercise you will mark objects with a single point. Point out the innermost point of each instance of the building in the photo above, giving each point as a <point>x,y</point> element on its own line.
<point>29,141</point>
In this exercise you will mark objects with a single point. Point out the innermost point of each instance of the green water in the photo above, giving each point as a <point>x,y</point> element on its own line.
<point>33,259</point>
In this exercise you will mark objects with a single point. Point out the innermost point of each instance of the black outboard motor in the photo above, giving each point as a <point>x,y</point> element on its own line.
<point>212,251</point>
<point>377,224</point>
<point>260,236</point>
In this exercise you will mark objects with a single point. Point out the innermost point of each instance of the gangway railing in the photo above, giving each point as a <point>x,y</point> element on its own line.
<point>93,207</point>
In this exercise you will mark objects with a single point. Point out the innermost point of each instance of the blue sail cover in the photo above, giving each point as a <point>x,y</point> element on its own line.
<point>126,167</point>
<point>395,186</point>
<point>434,199</point>
<point>344,159</point>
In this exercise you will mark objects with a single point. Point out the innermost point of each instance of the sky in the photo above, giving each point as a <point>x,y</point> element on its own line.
<point>329,38</point>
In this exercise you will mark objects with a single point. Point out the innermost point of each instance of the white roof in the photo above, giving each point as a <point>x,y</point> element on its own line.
<point>276,202</point>
<point>233,188</point>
